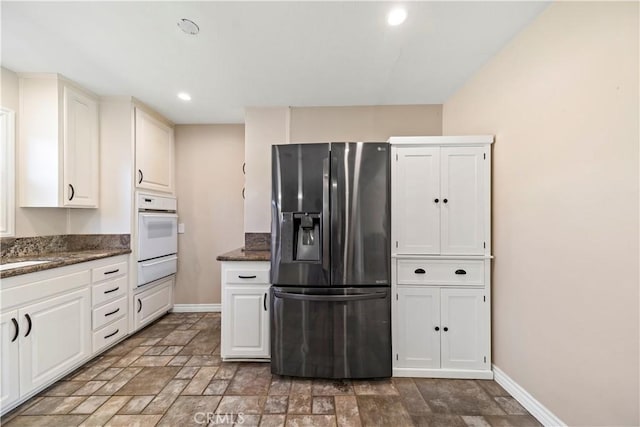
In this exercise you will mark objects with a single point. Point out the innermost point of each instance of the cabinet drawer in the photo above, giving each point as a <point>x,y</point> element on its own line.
<point>440,272</point>
<point>108,271</point>
<point>109,312</point>
<point>108,290</point>
<point>247,276</point>
<point>109,334</point>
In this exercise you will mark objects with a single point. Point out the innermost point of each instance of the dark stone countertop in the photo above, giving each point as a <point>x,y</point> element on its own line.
<point>58,259</point>
<point>243,255</point>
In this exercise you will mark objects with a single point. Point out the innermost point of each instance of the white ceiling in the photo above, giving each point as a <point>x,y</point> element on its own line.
<point>260,53</point>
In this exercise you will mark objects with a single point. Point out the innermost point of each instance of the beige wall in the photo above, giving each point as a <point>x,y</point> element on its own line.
<point>263,128</point>
<point>209,184</point>
<point>281,125</point>
<point>364,123</point>
<point>29,221</point>
<point>562,100</point>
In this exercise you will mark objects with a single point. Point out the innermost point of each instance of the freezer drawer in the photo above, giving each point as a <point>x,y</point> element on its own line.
<point>331,332</point>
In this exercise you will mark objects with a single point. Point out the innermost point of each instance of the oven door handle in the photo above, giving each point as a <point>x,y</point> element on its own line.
<point>157,215</point>
<point>329,298</point>
<point>160,261</point>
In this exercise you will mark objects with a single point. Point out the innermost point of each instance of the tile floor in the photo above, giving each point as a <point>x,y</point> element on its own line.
<point>170,374</point>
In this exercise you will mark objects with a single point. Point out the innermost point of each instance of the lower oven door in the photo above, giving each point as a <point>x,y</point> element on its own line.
<point>331,332</point>
<point>156,268</point>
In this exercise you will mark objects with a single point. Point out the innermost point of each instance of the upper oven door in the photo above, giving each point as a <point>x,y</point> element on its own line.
<point>158,235</point>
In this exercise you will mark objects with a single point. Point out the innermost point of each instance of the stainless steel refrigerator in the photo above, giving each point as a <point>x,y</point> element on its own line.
<point>330,260</point>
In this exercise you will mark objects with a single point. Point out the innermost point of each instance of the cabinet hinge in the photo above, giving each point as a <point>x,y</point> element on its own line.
<point>397,356</point>
<point>485,359</point>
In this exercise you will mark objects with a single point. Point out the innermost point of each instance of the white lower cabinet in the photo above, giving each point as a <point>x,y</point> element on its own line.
<point>245,310</point>
<point>418,314</point>
<point>53,321</point>
<point>57,337</point>
<point>155,300</point>
<point>463,318</point>
<point>441,331</point>
<point>9,358</point>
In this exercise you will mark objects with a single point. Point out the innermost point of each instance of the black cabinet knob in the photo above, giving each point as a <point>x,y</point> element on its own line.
<point>419,271</point>
<point>436,200</point>
<point>445,200</point>
<point>437,328</point>
<point>445,329</point>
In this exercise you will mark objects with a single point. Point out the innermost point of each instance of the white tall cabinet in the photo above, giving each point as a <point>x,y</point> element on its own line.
<point>441,256</point>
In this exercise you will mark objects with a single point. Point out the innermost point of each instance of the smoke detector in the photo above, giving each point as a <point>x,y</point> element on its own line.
<point>188,26</point>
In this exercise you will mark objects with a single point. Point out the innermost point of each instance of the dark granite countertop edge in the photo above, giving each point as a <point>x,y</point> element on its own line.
<point>241,254</point>
<point>58,259</point>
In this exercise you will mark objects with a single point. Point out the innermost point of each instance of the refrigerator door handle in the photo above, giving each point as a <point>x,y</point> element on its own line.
<point>325,216</point>
<point>329,298</point>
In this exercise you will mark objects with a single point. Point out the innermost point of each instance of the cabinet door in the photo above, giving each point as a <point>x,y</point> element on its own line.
<point>154,153</point>
<point>464,328</point>
<point>81,161</point>
<point>57,336</point>
<point>416,214</point>
<point>462,187</point>
<point>153,302</point>
<point>417,317</point>
<point>245,321</point>
<point>9,359</point>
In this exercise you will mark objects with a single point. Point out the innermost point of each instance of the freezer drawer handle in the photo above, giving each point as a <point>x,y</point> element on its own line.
<point>419,271</point>
<point>461,272</point>
<point>330,298</point>
<point>247,277</point>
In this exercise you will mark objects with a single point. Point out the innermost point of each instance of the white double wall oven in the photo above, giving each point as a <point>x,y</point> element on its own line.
<point>157,238</point>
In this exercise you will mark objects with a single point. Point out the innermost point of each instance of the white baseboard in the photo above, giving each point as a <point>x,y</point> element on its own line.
<point>196,308</point>
<point>537,409</point>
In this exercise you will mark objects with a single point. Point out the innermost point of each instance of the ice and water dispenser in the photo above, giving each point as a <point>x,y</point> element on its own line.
<point>301,237</point>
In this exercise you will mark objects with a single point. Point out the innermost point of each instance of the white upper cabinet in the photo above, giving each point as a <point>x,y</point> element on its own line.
<point>462,190</point>
<point>440,199</point>
<point>59,143</point>
<point>416,189</point>
<point>154,153</point>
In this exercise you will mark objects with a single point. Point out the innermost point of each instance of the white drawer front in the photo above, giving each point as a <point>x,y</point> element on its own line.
<point>440,272</point>
<point>109,334</point>
<point>155,269</point>
<point>108,291</point>
<point>109,312</point>
<point>247,276</point>
<point>108,271</point>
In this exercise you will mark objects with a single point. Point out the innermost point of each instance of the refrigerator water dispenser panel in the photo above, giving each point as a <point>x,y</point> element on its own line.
<point>301,238</point>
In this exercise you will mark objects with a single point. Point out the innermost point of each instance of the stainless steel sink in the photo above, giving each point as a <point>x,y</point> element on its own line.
<point>19,264</point>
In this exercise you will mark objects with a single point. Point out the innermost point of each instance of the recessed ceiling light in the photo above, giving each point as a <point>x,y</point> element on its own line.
<point>184,96</point>
<point>397,16</point>
<point>188,26</point>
